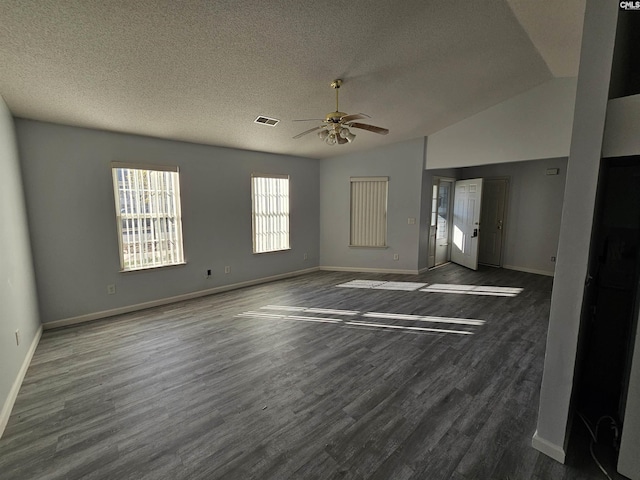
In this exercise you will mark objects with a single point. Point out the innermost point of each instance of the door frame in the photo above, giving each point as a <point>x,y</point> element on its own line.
<point>433,238</point>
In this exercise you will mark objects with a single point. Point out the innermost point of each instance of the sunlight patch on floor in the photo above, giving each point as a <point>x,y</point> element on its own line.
<point>398,322</point>
<point>485,290</point>
<point>419,318</point>
<point>402,327</point>
<point>473,290</point>
<point>405,286</point>
<point>329,311</point>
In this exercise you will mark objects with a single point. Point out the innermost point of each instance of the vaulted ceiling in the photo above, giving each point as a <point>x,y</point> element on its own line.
<point>202,71</point>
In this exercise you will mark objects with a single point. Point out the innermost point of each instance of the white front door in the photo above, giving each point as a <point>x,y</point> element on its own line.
<point>466,222</point>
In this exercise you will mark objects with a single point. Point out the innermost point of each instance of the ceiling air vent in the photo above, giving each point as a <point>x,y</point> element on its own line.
<point>267,121</point>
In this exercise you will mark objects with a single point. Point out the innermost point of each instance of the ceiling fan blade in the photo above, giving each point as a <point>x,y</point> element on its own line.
<point>371,128</point>
<point>310,120</point>
<point>309,131</point>
<point>354,116</point>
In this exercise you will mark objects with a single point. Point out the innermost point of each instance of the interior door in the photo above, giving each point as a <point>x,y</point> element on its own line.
<point>492,217</point>
<point>443,228</point>
<point>466,222</point>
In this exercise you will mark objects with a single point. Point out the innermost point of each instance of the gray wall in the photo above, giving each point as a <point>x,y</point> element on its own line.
<point>534,211</point>
<point>528,127</point>
<point>18,302</point>
<point>403,164</point>
<point>70,203</point>
<point>622,126</point>
<point>535,124</point>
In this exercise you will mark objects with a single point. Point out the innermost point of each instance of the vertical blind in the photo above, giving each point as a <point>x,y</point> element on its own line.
<point>148,215</point>
<point>369,211</point>
<point>270,197</point>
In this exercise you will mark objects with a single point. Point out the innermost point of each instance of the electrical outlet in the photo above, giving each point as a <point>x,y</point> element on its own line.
<point>17,337</point>
<point>553,259</point>
<point>411,220</point>
<point>111,289</point>
<point>306,256</point>
<point>227,269</point>
<point>396,256</point>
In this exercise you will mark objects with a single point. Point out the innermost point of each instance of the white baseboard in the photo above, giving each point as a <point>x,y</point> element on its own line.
<point>423,270</point>
<point>369,270</point>
<point>529,270</point>
<point>166,301</point>
<point>549,449</point>
<point>5,413</point>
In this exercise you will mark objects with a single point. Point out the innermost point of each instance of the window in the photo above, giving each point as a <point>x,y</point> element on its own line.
<point>434,204</point>
<point>369,211</point>
<point>270,197</point>
<point>148,216</point>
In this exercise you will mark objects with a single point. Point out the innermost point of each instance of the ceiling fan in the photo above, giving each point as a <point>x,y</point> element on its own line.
<point>336,125</point>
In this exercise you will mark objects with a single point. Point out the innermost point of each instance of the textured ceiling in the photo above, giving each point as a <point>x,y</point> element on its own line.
<point>201,71</point>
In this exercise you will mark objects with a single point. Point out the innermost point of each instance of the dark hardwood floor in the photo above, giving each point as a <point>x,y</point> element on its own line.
<point>203,389</point>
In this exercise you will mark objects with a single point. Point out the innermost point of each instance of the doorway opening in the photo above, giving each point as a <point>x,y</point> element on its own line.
<point>495,192</point>
<point>611,292</point>
<point>468,220</point>
<point>441,219</point>
<point>611,306</point>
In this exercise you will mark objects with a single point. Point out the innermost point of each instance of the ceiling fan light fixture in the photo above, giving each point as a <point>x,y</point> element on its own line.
<point>336,125</point>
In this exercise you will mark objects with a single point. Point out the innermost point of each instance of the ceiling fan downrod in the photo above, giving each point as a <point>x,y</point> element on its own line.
<point>336,84</point>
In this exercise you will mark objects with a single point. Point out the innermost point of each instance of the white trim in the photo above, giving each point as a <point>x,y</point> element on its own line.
<point>165,301</point>
<point>529,270</point>
<point>5,413</point>
<point>145,166</point>
<point>270,213</point>
<point>270,175</point>
<point>441,265</point>
<point>549,449</point>
<point>368,179</point>
<point>153,233</point>
<point>369,270</point>
<point>368,207</point>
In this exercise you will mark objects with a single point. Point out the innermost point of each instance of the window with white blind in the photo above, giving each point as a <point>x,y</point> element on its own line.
<point>369,211</point>
<point>148,216</point>
<point>270,198</point>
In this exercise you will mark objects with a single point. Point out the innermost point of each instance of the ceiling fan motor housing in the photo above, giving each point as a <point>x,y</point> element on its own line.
<point>334,117</point>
